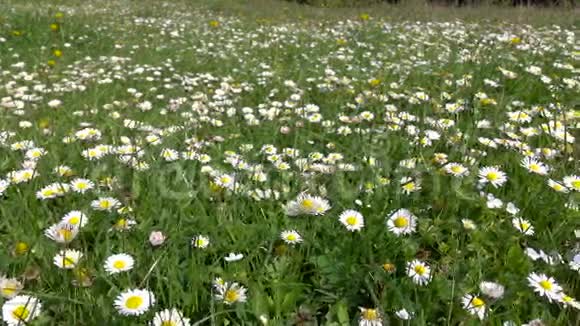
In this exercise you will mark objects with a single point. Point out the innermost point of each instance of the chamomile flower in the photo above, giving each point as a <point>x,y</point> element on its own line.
<point>134,302</point>
<point>410,185</point>
<point>232,257</point>
<point>492,175</point>
<point>20,310</point>
<point>403,314</point>
<point>10,287</point>
<point>68,258</point>
<point>370,317</point>
<point>456,169</point>
<point>105,204</point>
<point>534,166</point>
<point>523,225</point>
<point>169,317</point>
<point>545,286</point>
<point>200,241</point>
<point>52,191</point>
<point>572,182</point>
<point>419,272</point>
<point>231,293</point>
<point>81,185</point>
<point>119,263</point>
<point>291,237</point>
<point>225,181</point>
<point>62,232</point>
<point>402,222</point>
<point>352,220</point>
<point>474,305</point>
<point>306,204</point>
<point>76,219</point>
<point>468,224</point>
<point>568,301</point>
<point>492,289</point>
<point>558,187</point>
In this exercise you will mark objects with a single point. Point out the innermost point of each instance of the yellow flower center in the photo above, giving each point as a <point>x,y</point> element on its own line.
<point>121,223</point>
<point>545,284</point>
<point>576,184</point>
<point>21,313</point>
<point>231,296</point>
<point>291,237</point>
<point>134,302</point>
<point>74,220</point>
<point>66,234</point>
<point>48,192</point>
<point>200,242</point>
<point>456,169</point>
<point>401,222</point>
<point>119,264</point>
<point>420,269</point>
<point>409,186</point>
<point>477,302</point>
<point>492,176</point>
<point>534,167</point>
<point>68,262</point>
<point>525,226</point>
<point>105,204</point>
<point>81,185</point>
<point>370,314</point>
<point>168,323</point>
<point>307,203</point>
<point>8,291</point>
<point>21,248</point>
<point>351,220</point>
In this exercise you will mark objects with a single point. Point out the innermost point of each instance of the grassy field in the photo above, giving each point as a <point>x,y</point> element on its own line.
<point>257,163</point>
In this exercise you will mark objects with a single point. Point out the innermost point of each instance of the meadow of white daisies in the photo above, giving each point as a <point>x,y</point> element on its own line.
<point>169,165</point>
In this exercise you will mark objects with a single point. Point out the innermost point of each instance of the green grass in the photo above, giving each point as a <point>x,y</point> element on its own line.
<point>203,67</point>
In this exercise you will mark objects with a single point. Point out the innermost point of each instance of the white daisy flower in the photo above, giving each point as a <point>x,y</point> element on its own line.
<point>492,289</point>
<point>134,302</point>
<point>523,225</point>
<point>456,169</point>
<point>231,293</point>
<point>225,181</point>
<point>419,272</point>
<point>370,317</point>
<point>67,259</point>
<point>20,310</point>
<point>81,185</point>
<point>545,286</point>
<point>558,187</point>
<point>10,287</point>
<point>291,237</point>
<point>402,221</point>
<point>534,166</point>
<point>403,314</point>
<point>169,317</point>
<point>474,305</point>
<point>232,257</point>
<point>106,204</point>
<point>61,232</point>
<point>200,241</point>
<point>572,182</point>
<point>77,219</point>
<point>119,263</point>
<point>352,220</point>
<point>492,175</point>
<point>306,204</point>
